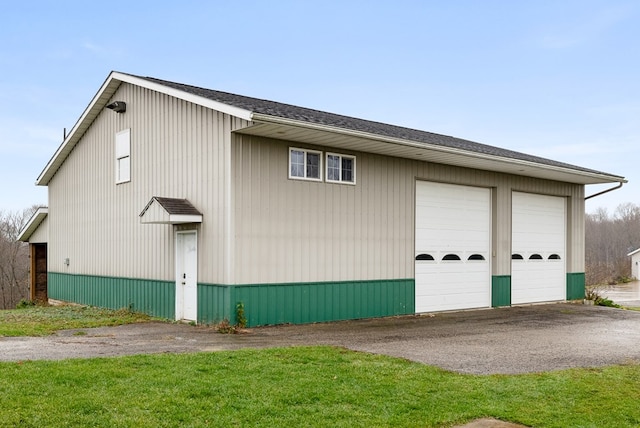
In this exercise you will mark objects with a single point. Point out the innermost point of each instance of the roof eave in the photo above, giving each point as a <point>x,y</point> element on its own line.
<point>634,252</point>
<point>98,102</point>
<point>32,225</point>
<point>577,176</point>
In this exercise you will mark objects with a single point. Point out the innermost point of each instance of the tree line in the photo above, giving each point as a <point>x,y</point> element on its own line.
<point>608,240</point>
<point>14,258</point>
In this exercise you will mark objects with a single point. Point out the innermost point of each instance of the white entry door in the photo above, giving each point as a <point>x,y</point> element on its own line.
<point>452,247</point>
<point>187,275</point>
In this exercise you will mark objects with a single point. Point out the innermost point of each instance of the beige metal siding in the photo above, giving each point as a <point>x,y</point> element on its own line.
<point>258,225</point>
<point>294,231</point>
<point>178,149</point>
<point>575,230</point>
<point>41,234</point>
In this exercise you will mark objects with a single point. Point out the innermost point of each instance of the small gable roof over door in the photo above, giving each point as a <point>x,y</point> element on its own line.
<point>33,224</point>
<point>161,210</point>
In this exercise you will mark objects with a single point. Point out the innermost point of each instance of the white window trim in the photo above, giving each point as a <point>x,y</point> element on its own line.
<point>122,153</point>
<point>340,181</point>
<point>305,151</point>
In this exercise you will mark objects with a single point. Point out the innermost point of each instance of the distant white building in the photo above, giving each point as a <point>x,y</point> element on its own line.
<point>635,258</point>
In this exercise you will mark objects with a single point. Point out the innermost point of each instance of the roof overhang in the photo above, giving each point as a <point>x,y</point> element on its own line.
<point>323,135</point>
<point>100,101</point>
<point>169,211</point>
<point>32,225</point>
<point>634,252</point>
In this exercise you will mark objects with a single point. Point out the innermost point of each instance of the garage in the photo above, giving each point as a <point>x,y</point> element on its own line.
<point>452,249</point>
<point>538,271</point>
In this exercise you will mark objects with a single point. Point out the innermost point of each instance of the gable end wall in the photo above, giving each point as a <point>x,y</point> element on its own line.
<point>178,149</point>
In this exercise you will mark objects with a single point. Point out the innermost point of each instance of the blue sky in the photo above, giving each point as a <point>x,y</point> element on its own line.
<point>554,78</point>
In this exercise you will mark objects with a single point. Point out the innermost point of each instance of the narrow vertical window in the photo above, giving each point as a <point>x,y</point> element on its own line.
<point>333,168</point>
<point>123,156</point>
<point>305,164</point>
<point>341,168</point>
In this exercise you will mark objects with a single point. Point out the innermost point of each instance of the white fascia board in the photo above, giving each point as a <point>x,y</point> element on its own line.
<point>634,252</point>
<point>196,99</point>
<point>33,224</point>
<point>606,178</point>
<point>182,218</point>
<point>100,100</point>
<point>175,219</point>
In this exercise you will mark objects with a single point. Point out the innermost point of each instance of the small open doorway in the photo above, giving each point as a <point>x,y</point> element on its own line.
<point>38,289</point>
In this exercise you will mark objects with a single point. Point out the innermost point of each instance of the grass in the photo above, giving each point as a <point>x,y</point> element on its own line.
<point>304,386</point>
<point>44,320</point>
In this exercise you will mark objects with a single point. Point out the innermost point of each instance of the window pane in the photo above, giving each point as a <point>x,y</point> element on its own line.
<point>333,167</point>
<point>297,163</point>
<point>124,169</point>
<point>297,170</point>
<point>313,165</point>
<point>347,169</point>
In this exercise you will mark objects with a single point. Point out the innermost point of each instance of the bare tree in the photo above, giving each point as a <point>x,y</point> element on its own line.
<point>14,258</point>
<point>608,240</point>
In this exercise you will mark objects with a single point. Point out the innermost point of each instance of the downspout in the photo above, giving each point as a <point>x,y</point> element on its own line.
<point>605,191</point>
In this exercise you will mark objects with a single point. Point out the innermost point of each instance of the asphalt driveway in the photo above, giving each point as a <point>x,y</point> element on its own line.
<point>504,340</point>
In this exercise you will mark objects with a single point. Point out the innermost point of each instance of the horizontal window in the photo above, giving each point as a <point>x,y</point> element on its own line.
<point>341,168</point>
<point>305,164</point>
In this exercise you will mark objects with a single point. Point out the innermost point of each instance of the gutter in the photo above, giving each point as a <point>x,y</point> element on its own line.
<point>605,191</point>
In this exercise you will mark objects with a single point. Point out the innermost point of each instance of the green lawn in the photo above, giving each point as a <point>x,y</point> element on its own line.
<point>304,386</point>
<point>44,320</point>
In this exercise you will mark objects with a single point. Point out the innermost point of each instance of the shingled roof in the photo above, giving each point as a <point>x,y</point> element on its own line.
<point>285,121</point>
<point>172,211</point>
<point>288,111</point>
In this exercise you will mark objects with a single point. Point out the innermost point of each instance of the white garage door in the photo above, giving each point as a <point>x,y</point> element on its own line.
<point>538,271</point>
<point>453,235</point>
